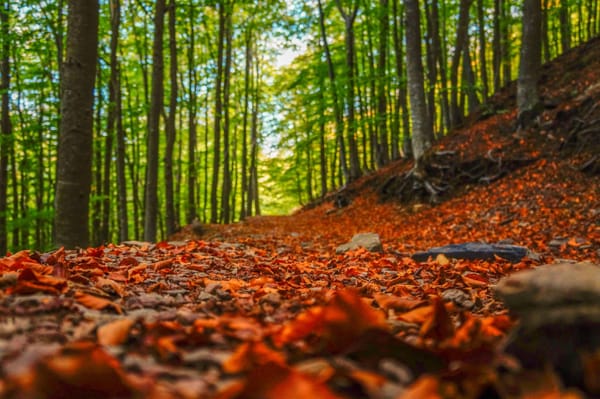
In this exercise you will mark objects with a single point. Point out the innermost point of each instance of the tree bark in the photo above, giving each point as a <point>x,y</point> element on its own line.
<point>528,98</point>
<point>5,125</point>
<point>192,179</point>
<point>421,128</point>
<point>226,189</point>
<point>349,41</point>
<point>214,201</point>
<point>247,76</point>
<point>383,147</point>
<point>75,140</point>
<point>337,108</point>
<point>171,222</point>
<point>462,40</point>
<point>156,105</point>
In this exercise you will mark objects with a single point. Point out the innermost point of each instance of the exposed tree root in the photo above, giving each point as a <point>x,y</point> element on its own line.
<point>443,172</point>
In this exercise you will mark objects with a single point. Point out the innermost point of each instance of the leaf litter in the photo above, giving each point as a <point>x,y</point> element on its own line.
<point>266,308</point>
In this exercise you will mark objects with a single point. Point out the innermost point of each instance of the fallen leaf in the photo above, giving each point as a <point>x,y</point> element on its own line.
<point>115,332</point>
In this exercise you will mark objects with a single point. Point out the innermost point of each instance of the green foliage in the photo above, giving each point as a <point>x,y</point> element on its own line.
<point>293,101</point>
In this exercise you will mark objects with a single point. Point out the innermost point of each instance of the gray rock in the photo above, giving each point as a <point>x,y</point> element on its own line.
<point>459,298</point>
<point>565,293</point>
<point>369,241</point>
<point>474,250</point>
<point>558,306</point>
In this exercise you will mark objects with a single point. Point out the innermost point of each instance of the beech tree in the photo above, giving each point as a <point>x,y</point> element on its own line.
<point>528,99</point>
<point>5,123</point>
<point>421,127</point>
<point>156,104</point>
<point>74,171</point>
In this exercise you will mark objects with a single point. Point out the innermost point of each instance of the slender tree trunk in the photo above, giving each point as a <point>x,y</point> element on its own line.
<point>192,179</point>
<point>528,99</point>
<point>170,130</point>
<point>247,77</point>
<point>156,106</point>
<point>214,202</point>
<point>5,124</point>
<point>497,46</point>
<point>420,136</point>
<point>253,195</point>
<point>113,115</point>
<point>349,40</point>
<point>462,40</point>
<point>337,107</point>
<point>482,48</point>
<point>322,148</point>
<point>75,140</point>
<point>506,42</point>
<point>383,148</point>
<point>564,19</point>
<point>226,190</point>
<point>121,180</point>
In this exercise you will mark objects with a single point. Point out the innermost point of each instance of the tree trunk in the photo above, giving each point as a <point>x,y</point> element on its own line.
<point>156,105</point>
<point>462,40</point>
<point>121,180</point>
<point>383,148</point>
<point>349,40</point>
<point>564,21</point>
<point>5,125</point>
<point>214,202</point>
<point>482,47</point>
<point>74,171</point>
<point>247,77</point>
<point>337,107</point>
<point>528,99</point>
<point>170,125</point>
<point>192,180</point>
<point>226,189</point>
<point>416,90</point>
<point>497,46</point>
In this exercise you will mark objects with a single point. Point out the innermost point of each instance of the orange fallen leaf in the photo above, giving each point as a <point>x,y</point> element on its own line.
<point>418,315</point>
<point>336,325</point>
<point>276,381</point>
<point>115,332</point>
<point>97,303</point>
<point>250,355</point>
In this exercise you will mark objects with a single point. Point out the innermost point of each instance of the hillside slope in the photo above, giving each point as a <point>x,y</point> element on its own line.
<point>538,187</point>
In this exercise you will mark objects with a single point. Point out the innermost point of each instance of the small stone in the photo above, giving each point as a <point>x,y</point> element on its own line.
<point>474,250</point>
<point>369,241</point>
<point>459,298</point>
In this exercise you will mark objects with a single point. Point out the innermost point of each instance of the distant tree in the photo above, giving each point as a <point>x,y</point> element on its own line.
<point>171,216</point>
<point>528,98</point>
<point>337,108</point>
<point>156,105</point>
<point>214,200</point>
<point>421,127</point>
<point>383,148</point>
<point>5,124</point>
<point>461,50</point>
<point>75,140</point>
<point>349,16</point>
<point>121,179</point>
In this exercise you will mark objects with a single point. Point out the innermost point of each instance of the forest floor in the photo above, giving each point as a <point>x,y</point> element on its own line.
<point>265,308</point>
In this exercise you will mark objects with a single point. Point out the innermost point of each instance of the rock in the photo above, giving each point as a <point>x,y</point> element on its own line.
<point>369,241</point>
<point>558,307</point>
<point>459,298</point>
<point>474,250</point>
<point>564,293</point>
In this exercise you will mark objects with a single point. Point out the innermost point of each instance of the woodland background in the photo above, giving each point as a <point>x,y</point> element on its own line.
<point>194,117</point>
